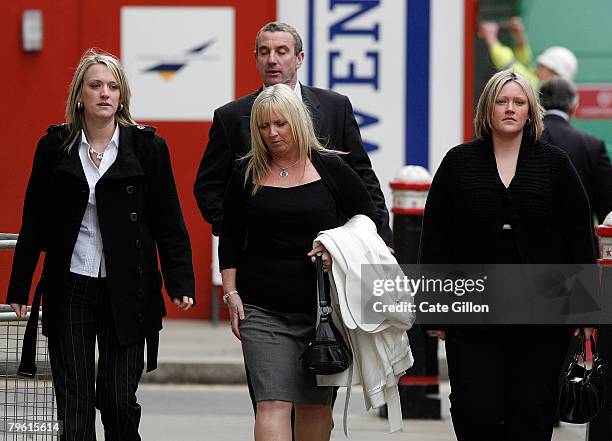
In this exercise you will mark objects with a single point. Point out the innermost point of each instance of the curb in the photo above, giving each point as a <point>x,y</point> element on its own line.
<point>221,373</point>
<point>196,373</point>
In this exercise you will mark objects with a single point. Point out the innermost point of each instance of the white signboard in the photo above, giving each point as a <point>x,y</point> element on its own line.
<point>179,60</point>
<point>359,49</point>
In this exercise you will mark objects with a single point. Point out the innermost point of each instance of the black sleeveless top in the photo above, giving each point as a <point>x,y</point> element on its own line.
<point>274,271</point>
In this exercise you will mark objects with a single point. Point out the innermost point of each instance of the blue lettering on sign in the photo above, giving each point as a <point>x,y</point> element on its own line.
<point>352,78</point>
<point>364,120</point>
<point>340,28</point>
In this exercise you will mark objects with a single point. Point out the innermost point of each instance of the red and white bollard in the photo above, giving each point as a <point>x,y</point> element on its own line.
<point>420,387</point>
<point>600,429</point>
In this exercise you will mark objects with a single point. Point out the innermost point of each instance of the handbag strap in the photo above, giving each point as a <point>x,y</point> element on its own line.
<point>324,301</point>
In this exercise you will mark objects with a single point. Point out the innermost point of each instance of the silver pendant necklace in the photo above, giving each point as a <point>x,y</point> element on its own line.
<point>97,154</point>
<point>284,171</point>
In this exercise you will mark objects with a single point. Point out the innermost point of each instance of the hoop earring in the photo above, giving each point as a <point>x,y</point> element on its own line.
<point>79,105</point>
<point>120,108</point>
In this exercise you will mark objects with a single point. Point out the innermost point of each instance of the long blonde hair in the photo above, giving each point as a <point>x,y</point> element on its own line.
<point>484,109</point>
<point>280,99</point>
<point>74,114</point>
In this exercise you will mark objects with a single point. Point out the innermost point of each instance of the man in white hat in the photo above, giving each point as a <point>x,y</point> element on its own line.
<point>554,61</point>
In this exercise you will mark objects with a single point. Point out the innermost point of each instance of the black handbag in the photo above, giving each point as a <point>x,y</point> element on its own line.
<point>582,390</point>
<point>327,353</point>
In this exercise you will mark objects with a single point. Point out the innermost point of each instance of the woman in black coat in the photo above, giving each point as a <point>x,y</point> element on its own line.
<point>101,203</point>
<point>505,197</point>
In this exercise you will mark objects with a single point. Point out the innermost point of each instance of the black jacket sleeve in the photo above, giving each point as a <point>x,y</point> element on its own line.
<point>438,216</point>
<point>168,227</point>
<point>360,162</point>
<point>32,233</point>
<point>353,197</point>
<point>213,173</point>
<point>233,230</point>
<point>574,213</point>
<point>602,180</point>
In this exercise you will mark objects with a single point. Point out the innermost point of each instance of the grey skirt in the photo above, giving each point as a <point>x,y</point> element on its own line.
<point>272,343</point>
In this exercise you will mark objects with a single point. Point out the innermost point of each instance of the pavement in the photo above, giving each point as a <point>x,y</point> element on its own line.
<point>198,352</point>
<point>201,379</point>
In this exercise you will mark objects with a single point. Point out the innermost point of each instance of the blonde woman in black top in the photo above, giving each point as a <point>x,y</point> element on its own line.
<point>287,189</point>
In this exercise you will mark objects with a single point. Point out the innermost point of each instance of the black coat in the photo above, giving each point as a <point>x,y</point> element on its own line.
<point>230,138</point>
<point>463,214</point>
<point>138,213</point>
<point>588,154</point>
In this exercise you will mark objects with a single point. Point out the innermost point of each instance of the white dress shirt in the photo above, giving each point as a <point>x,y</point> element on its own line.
<point>557,112</point>
<point>297,90</point>
<point>88,254</point>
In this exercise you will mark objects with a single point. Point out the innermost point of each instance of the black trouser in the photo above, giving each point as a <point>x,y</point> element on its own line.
<point>504,381</point>
<point>86,314</point>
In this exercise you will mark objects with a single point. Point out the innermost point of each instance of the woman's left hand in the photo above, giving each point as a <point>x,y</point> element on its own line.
<point>587,332</point>
<point>184,303</point>
<point>327,260</point>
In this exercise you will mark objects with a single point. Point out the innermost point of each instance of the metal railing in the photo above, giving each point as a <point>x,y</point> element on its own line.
<point>27,405</point>
<point>8,241</point>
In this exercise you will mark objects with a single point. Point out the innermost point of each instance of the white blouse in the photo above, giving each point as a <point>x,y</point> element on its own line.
<point>88,254</point>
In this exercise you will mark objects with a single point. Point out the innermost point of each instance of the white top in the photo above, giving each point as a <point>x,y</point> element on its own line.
<point>557,112</point>
<point>88,255</point>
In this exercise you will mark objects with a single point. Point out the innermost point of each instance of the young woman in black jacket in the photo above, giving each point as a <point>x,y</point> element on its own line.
<point>505,197</point>
<point>101,203</point>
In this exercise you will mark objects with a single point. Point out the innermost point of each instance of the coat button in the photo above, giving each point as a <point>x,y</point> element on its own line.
<point>140,293</point>
<point>139,269</point>
<point>134,216</point>
<point>129,189</point>
<point>138,243</point>
<point>140,317</point>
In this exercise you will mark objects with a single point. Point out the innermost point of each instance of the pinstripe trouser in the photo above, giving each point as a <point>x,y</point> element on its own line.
<point>86,314</point>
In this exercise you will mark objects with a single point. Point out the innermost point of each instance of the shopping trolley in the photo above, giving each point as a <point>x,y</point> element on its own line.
<point>27,405</point>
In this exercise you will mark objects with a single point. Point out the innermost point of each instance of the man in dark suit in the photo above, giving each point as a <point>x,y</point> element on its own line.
<point>588,154</point>
<point>278,56</point>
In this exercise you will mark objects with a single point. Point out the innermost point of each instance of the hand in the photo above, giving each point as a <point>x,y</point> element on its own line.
<point>184,303</point>
<point>327,260</point>
<point>441,334</point>
<point>488,32</point>
<point>236,310</point>
<point>587,332</point>
<point>517,30</point>
<point>20,310</point>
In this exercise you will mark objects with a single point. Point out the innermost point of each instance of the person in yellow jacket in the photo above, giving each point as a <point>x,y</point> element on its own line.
<point>554,61</point>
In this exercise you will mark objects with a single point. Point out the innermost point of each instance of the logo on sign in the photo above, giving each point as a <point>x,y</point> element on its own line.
<point>168,67</point>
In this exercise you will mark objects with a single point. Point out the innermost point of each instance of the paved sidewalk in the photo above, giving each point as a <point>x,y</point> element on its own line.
<point>195,351</point>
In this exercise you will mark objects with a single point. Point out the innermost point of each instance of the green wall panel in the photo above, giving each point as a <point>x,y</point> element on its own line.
<point>583,26</point>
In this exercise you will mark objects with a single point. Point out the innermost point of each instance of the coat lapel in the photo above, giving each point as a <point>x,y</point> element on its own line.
<point>314,106</point>
<point>126,164</point>
<point>71,161</point>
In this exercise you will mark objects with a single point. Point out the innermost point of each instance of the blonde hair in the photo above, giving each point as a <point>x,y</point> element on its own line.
<point>484,109</point>
<point>74,114</point>
<point>280,99</point>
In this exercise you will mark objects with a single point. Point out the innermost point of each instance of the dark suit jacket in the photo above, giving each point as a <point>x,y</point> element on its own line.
<point>588,154</point>
<point>230,138</point>
<point>138,214</point>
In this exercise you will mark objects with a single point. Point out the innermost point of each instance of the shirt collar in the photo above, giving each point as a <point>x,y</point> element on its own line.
<point>557,112</point>
<point>297,90</point>
<point>114,142</point>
